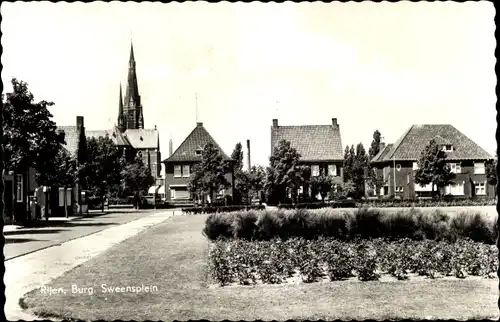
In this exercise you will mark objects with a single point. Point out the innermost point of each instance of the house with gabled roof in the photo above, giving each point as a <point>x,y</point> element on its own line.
<point>179,165</point>
<point>397,162</point>
<point>320,147</point>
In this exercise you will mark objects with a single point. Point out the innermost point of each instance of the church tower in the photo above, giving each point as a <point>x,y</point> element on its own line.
<point>131,112</point>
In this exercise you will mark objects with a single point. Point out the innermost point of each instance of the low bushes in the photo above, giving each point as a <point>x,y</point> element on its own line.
<point>362,223</point>
<point>390,203</point>
<point>218,209</point>
<point>277,261</point>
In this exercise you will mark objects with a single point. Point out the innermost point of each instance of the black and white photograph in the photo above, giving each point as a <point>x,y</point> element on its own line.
<point>249,161</point>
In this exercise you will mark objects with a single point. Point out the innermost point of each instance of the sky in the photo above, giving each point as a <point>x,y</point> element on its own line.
<point>372,66</point>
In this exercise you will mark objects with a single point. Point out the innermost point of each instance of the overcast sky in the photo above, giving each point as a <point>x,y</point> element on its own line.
<point>380,66</point>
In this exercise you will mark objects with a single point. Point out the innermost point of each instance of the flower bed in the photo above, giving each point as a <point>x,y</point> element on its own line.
<point>219,209</point>
<point>300,260</point>
<point>361,223</point>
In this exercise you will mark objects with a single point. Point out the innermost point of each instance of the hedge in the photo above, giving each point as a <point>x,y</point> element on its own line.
<point>221,209</point>
<point>361,223</point>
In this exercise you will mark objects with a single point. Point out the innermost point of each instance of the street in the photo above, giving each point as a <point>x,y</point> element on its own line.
<point>22,241</point>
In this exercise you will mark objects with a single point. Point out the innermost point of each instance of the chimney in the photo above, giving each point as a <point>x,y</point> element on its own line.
<point>334,121</point>
<point>275,122</point>
<point>79,121</point>
<point>170,148</point>
<point>155,126</point>
<point>248,155</point>
<point>199,123</point>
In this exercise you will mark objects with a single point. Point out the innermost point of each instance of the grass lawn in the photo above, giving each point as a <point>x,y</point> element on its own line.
<point>173,256</point>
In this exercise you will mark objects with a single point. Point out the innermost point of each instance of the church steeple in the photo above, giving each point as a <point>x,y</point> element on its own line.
<point>121,117</point>
<point>132,104</point>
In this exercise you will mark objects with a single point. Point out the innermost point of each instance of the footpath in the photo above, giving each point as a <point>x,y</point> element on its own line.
<point>31,271</point>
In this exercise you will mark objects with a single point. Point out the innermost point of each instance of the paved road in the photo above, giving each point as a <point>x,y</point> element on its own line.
<point>26,240</point>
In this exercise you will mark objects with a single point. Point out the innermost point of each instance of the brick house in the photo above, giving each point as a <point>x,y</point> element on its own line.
<point>320,147</point>
<point>396,163</point>
<point>179,165</point>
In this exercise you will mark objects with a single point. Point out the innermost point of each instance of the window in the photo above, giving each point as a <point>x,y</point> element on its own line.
<point>177,171</point>
<point>19,188</point>
<point>480,188</point>
<point>185,171</point>
<point>384,174</point>
<point>399,189</point>
<point>415,166</point>
<point>332,170</point>
<point>315,170</point>
<point>479,168</point>
<point>198,152</point>
<point>448,148</point>
<point>455,168</point>
<point>456,190</point>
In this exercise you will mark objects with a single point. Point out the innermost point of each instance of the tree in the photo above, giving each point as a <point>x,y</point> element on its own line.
<point>349,156</point>
<point>208,175</point>
<point>136,177</point>
<point>360,166</point>
<point>102,169</point>
<point>257,177</point>
<point>284,173</point>
<point>237,156</point>
<point>491,173</point>
<point>343,190</point>
<point>375,146</point>
<point>31,138</point>
<point>433,169</point>
<point>321,184</point>
<point>241,180</point>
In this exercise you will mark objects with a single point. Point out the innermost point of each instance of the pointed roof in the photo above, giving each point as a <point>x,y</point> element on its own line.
<point>197,139</point>
<point>143,138</point>
<point>118,137</point>
<point>71,138</point>
<point>132,91</point>
<point>409,146</point>
<point>313,142</point>
<point>131,59</point>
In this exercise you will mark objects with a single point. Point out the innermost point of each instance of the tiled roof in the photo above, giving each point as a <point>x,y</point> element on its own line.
<point>143,138</point>
<point>71,138</point>
<point>382,153</point>
<point>313,142</point>
<point>411,144</point>
<point>115,135</point>
<point>197,139</point>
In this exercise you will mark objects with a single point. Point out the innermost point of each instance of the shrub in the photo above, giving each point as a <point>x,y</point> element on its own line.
<point>217,226</point>
<point>472,226</point>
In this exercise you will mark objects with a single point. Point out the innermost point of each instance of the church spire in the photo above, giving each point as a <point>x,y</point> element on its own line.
<point>132,102</point>
<point>121,123</point>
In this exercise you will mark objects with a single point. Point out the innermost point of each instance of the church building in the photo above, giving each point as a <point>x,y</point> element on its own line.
<point>129,132</point>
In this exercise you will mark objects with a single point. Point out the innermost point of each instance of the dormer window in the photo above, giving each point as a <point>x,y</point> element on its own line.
<point>447,148</point>
<point>198,152</point>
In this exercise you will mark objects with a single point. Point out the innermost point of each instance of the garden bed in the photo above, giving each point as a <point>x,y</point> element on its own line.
<point>360,223</point>
<point>219,209</point>
<point>298,260</point>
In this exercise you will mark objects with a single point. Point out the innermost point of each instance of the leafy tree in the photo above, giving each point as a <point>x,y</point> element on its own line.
<point>64,173</point>
<point>31,138</point>
<point>375,146</point>
<point>102,169</point>
<point>349,157</point>
<point>343,190</point>
<point>284,173</point>
<point>241,180</point>
<point>136,176</point>
<point>257,177</point>
<point>237,156</point>
<point>491,173</point>
<point>433,169</point>
<point>208,175</point>
<point>360,166</point>
<point>321,184</point>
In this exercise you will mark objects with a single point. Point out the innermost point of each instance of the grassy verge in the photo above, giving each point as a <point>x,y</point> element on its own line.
<point>361,223</point>
<point>173,257</point>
